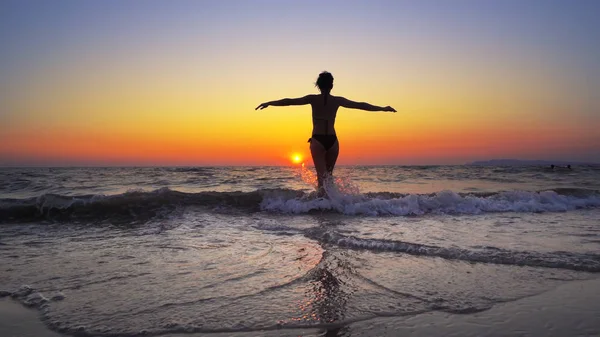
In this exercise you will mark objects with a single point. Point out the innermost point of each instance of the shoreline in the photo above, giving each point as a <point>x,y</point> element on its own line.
<point>571,309</point>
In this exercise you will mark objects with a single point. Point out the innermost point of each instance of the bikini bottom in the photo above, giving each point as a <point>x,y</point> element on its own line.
<point>326,140</point>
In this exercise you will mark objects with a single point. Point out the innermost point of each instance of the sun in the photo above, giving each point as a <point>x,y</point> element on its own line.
<point>296,158</point>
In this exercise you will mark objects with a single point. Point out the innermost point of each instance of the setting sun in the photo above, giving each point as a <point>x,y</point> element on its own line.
<point>296,158</point>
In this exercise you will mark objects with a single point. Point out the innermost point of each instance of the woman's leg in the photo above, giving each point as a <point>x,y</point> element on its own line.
<point>331,157</point>
<point>319,159</point>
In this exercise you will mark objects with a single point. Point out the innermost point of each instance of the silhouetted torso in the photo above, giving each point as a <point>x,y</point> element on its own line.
<point>323,114</point>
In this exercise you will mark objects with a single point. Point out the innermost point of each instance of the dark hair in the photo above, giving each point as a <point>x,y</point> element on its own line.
<point>325,83</point>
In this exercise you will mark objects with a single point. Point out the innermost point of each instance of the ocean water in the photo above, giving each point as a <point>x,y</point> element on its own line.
<point>157,251</point>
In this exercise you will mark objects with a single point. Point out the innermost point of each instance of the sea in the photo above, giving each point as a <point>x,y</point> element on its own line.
<point>230,250</point>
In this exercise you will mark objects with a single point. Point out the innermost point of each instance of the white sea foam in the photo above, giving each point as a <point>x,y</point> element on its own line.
<point>445,202</point>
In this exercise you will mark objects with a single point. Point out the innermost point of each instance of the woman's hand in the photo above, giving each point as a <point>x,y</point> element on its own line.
<point>262,106</point>
<point>389,108</point>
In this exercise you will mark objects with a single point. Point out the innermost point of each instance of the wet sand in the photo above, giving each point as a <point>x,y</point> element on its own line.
<point>19,321</point>
<point>571,309</point>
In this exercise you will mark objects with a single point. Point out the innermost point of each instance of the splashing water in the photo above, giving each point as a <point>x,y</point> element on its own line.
<point>308,176</point>
<point>336,187</point>
<point>345,186</point>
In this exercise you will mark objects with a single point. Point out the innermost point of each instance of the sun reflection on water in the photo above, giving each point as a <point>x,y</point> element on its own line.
<point>325,299</point>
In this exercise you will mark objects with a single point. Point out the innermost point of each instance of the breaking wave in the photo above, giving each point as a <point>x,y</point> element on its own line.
<point>143,205</point>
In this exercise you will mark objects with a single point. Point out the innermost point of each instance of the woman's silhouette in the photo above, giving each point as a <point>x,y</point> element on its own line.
<point>324,146</point>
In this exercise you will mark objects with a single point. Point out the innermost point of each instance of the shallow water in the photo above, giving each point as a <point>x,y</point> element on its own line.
<point>123,251</point>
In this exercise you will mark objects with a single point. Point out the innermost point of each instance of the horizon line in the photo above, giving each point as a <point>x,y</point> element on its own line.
<point>525,163</point>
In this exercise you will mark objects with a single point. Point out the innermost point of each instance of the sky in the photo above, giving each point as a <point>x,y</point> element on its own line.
<point>176,82</point>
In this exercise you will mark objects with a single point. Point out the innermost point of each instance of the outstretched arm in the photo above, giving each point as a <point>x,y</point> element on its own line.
<point>346,103</point>
<point>286,101</point>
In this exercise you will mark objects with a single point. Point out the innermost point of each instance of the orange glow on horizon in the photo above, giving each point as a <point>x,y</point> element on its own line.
<point>405,145</point>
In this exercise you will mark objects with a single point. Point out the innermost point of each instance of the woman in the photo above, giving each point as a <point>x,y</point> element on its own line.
<point>324,146</point>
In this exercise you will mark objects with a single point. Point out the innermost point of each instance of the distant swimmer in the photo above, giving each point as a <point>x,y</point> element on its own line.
<point>324,145</point>
<point>560,168</point>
